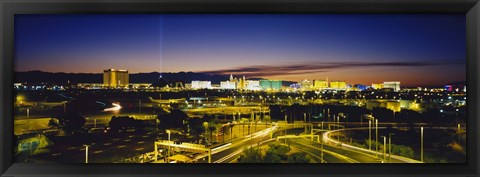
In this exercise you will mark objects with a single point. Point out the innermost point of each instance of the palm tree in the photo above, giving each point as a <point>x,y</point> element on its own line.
<point>71,122</point>
<point>198,130</point>
<point>212,127</point>
<point>231,130</point>
<point>205,124</point>
<point>196,127</point>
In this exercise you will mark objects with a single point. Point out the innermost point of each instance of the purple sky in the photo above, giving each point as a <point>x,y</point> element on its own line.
<point>415,49</point>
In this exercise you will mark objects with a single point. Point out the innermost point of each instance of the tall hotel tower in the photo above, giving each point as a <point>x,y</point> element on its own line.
<point>115,78</point>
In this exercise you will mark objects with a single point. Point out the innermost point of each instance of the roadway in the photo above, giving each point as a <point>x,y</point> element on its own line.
<point>344,146</point>
<point>237,146</point>
<point>345,153</point>
<point>332,154</point>
<point>105,150</point>
<point>334,151</point>
<point>316,152</point>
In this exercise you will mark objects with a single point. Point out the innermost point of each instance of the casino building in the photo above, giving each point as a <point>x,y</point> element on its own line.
<point>113,78</point>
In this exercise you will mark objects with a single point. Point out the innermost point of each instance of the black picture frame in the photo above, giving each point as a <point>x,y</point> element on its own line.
<point>11,7</point>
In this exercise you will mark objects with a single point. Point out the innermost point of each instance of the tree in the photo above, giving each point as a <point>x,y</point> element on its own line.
<point>197,127</point>
<point>408,116</point>
<point>231,130</point>
<point>382,114</point>
<point>279,149</point>
<point>276,112</point>
<point>175,119</point>
<point>298,157</point>
<point>124,123</point>
<point>212,126</point>
<point>209,123</point>
<point>53,123</point>
<point>251,155</point>
<point>403,151</point>
<point>274,153</point>
<point>272,156</point>
<point>71,122</point>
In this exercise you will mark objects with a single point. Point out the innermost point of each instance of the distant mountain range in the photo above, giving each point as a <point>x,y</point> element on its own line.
<point>62,78</point>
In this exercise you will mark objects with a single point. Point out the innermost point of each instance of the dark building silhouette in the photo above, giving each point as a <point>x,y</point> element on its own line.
<point>160,83</point>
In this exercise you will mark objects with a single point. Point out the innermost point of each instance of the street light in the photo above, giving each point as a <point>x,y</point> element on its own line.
<point>322,143</point>
<point>421,144</point>
<point>139,106</point>
<point>255,119</point>
<point>361,120</point>
<point>168,131</point>
<point>205,124</point>
<point>28,118</point>
<point>223,133</point>
<point>305,121</point>
<point>338,117</point>
<point>376,136</point>
<point>370,135</point>
<point>86,152</point>
<point>334,120</point>
<point>390,147</point>
<point>64,107</point>
<point>384,148</point>
<point>206,97</point>
<point>231,129</point>
<point>285,129</point>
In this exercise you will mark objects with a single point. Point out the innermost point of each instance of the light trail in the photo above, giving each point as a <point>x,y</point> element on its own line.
<point>116,107</point>
<point>240,151</point>
<point>217,149</point>
<point>249,137</point>
<point>326,138</point>
<point>229,156</point>
<point>340,156</point>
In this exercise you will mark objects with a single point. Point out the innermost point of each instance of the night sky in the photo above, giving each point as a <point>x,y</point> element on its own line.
<point>415,49</point>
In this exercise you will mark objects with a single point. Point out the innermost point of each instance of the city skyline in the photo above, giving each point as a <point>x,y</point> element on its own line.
<point>413,49</point>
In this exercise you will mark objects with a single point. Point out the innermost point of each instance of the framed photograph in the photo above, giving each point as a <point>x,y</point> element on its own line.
<point>207,88</point>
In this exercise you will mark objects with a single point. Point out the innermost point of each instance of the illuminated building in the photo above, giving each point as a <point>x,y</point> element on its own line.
<point>243,82</point>
<point>252,85</point>
<point>360,87</point>
<point>270,84</point>
<point>141,85</point>
<point>338,85</point>
<point>265,84</point>
<point>276,85</point>
<point>415,106</point>
<point>228,84</point>
<point>448,88</point>
<point>201,85</point>
<point>239,83</point>
<point>295,86</point>
<point>392,105</point>
<point>115,78</point>
<point>160,83</point>
<point>319,84</point>
<point>457,86</point>
<point>377,86</point>
<point>90,85</point>
<point>392,85</point>
<point>306,84</point>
